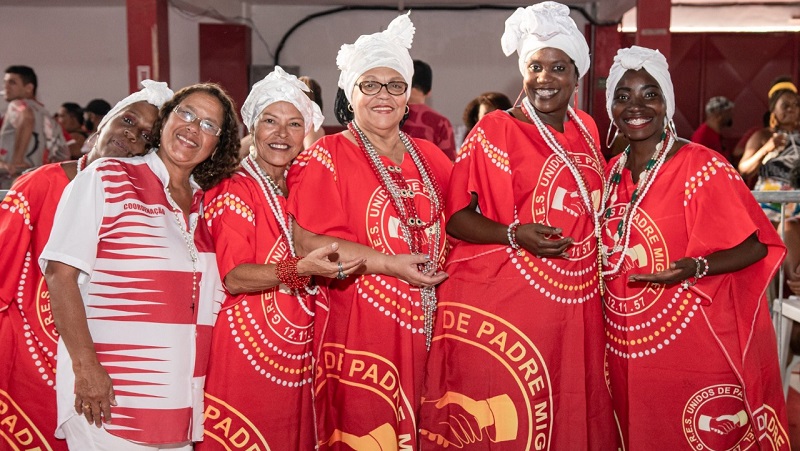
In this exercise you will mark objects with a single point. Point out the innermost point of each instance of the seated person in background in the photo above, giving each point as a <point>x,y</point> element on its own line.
<point>719,115</point>
<point>70,116</point>
<point>93,114</point>
<point>423,121</point>
<point>483,104</point>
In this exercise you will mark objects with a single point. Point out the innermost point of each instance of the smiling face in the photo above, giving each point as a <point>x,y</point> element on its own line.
<point>183,144</point>
<point>128,133</point>
<point>549,81</point>
<point>278,137</point>
<point>638,107</point>
<point>381,111</point>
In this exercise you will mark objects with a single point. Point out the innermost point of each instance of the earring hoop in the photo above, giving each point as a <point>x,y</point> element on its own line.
<point>407,109</point>
<point>350,107</point>
<point>608,134</point>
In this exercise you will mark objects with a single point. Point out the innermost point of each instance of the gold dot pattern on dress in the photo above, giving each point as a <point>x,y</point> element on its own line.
<point>704,174</point>
<point>566,287</point>
<point>648,337</point>
<point>227,202</point>
<point>316,153</point>
<point>15,202</point>
<point>266,357</point>
<point>392,298</point>
<point>494,154</point>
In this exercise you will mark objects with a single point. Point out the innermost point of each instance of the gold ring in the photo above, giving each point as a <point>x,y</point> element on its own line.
<point>86,405</point>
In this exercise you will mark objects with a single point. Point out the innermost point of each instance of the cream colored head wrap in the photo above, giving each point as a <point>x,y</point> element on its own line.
<point>544,25</point>
<point>280,86</point>
<point>155,93</point>
<point>636,58</point>
<point>385,49</point>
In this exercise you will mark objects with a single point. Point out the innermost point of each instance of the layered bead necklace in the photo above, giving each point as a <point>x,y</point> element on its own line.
<point>555,146</point>
<point>188,238</point>
<point>646,178</point>
<point>412,226</point>
<point>272,192</point>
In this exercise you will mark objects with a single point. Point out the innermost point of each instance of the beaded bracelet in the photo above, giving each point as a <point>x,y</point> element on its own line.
<point>697,273</point>
<point>511,233</point>
<point>287,273</point>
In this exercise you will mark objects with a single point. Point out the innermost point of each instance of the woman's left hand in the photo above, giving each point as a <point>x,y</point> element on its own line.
<point>318,263</point>
<point>678,272</point>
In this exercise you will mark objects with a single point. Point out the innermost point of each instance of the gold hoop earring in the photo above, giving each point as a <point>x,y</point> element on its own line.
<point>350,107</point>
<point>406,109</point>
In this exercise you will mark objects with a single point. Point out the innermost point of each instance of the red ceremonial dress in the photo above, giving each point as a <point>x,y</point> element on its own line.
<point>517,357</point>
<point>27,331</point>
<point>693,369</point>
<point>371,350</point>
<point>259,386</point>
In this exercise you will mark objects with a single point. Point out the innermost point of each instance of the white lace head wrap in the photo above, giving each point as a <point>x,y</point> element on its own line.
<point>155,93</point>
<point>544,25</point>
<point>636,58</point>
<point>385,49</point>
<point>280,86</point>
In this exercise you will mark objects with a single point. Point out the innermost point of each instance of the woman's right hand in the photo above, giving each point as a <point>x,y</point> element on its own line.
<point>536,239</point>
<point>318,263</point>
<point>94,393</point>
<point>776,144</point>
<point>406,267</point>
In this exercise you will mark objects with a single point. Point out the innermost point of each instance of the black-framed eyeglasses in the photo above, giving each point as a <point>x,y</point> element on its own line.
<point>371,88</point>
<point>206,126</point>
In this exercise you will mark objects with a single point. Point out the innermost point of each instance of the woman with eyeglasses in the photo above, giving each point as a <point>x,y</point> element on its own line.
<point>380,195</point>
<point>134,285</point>
<point>28,336</point>
<point>262,343</point>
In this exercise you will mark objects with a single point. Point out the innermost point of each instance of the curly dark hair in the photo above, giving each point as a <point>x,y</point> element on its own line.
<point>497,100</point>
<point>225,158</point>
<point>341,109</point>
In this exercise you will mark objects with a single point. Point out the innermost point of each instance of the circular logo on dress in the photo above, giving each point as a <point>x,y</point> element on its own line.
<point>281,308</point>
<point>519,410</point>
<point>383,225</point>
<point>646,253</point>
<point>557,202</point>
<point>43,311</point>
<point>715,419</point>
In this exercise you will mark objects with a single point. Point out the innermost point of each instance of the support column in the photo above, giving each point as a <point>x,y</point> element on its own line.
<point>652,25</point>
<point>148,41</point>
<point>225,58</point>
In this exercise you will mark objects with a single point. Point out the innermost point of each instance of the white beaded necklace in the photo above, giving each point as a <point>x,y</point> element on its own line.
<point>554,145</point>
<point>263,179</point>
<point>188,238</point>
<point>428,294</point>
<point>646,180</point>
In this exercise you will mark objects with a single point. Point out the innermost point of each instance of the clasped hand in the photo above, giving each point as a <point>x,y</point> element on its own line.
<point>537,239</point>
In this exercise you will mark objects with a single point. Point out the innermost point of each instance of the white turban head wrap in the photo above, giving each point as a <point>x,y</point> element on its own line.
<point>544,25</point>
<point>156,93</point>
<point>280,86</point>
<point>385,49</point>
<point>637,58</point>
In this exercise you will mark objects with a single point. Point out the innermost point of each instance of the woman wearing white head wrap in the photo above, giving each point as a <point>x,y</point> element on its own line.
<point>687,256</point>
<point>265,280</point>
<point>524,197</point>
<point>31,363</point>
<point>379,194</point>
